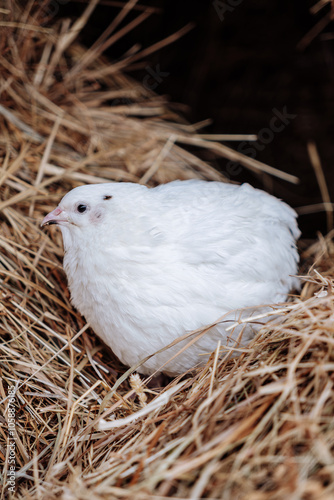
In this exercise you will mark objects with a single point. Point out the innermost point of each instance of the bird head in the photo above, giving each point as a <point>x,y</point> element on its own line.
<point>96,209</point>
<point>83,206</point>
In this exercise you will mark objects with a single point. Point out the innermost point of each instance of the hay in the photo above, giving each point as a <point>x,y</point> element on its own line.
<point>256,427</point>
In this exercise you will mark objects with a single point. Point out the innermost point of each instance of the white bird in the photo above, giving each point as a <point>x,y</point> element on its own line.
<point>146,266</point>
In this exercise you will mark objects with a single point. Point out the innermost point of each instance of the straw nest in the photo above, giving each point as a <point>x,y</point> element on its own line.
<point>73,426</point>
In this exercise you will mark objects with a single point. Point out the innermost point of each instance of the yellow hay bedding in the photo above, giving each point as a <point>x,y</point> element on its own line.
<point>256,427</point>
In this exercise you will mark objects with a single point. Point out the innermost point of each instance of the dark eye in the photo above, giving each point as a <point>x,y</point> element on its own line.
<point>81,208</point>
<point>107,197</point>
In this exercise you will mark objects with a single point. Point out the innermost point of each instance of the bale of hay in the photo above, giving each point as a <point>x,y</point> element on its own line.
<point>74,423</point>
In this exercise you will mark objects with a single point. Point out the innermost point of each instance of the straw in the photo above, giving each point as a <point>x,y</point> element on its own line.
<point>254,426</point>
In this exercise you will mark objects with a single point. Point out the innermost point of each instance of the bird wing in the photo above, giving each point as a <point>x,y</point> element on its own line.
<point>236,237</point>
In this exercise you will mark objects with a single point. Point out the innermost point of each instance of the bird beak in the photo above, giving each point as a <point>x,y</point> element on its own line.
<point>57,216</point>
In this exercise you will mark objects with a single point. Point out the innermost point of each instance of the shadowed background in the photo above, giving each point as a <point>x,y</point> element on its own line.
<point>235,66</point>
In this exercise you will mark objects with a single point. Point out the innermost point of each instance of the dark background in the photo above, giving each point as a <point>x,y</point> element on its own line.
<point>236,67</point>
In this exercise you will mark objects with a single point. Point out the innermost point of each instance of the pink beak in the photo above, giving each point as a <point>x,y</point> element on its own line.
<point>57,216</point>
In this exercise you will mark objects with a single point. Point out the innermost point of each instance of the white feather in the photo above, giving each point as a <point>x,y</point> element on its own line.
<point>149,265</point>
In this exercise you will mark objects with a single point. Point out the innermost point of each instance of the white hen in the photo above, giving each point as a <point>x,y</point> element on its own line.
<point>145,266</point>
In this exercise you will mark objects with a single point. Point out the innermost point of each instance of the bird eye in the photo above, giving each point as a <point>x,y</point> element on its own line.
<point>81,208</point>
